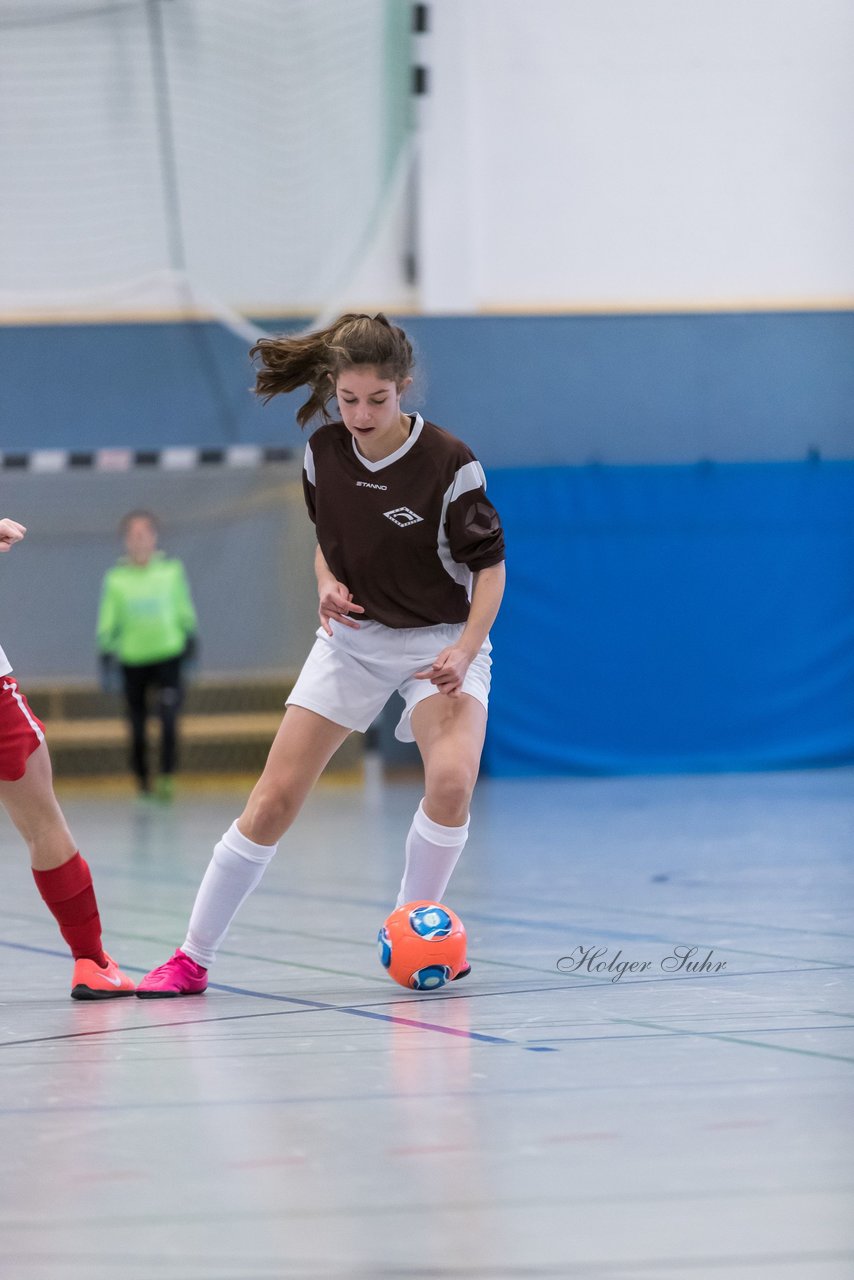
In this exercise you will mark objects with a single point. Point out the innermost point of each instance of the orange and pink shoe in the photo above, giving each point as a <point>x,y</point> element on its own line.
<point>179,976</point>
<point>91,982</point>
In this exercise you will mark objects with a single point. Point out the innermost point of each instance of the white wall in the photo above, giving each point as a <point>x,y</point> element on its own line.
<point>574,154</point>
<point>638,153</point>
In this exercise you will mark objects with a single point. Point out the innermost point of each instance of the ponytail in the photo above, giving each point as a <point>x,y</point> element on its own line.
<point>315,360</point>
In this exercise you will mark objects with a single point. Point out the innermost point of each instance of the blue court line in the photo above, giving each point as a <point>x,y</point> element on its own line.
<point>528,1089</point>
<point>564,927</point>
<point>559,981</point>
<point>711,921</point>
<point>687,1031</point>
<point>359,1012</point>
<point>263,1269</point>
<point>299,1002</point>
<point>53,1223</point>
<point>735,1038</point>
<point>265,890</point>
<point>540,1044</point>
<point>490,918</point>
<point>417,1024</point>
<point>44,951</point>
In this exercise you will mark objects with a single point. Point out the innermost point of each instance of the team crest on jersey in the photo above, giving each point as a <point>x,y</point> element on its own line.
<point>402,516</point>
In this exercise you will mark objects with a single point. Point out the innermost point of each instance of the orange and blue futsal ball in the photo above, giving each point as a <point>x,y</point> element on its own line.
<point>422,945</point>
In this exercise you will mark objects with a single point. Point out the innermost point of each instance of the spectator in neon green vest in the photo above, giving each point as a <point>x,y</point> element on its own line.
<point>147,625</point>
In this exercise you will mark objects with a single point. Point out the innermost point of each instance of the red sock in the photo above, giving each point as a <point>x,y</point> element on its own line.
<point>69,896</point>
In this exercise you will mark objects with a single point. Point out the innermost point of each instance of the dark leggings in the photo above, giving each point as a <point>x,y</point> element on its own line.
<point>165,678</point>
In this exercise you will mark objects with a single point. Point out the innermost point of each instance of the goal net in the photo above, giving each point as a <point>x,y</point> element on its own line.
<point>235,159</point>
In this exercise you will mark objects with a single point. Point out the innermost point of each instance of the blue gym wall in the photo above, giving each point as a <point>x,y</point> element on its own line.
<point>675,618</point>
<point>678,493</point>
<point>675,476</point>
<point>525,390</point>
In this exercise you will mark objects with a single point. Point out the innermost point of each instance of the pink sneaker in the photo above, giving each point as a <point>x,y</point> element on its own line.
<point>179,976</point>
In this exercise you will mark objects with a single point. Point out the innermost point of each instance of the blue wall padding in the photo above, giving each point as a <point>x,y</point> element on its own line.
<point>128,385</point>
<point>522,390</point>
<point>674,619</point>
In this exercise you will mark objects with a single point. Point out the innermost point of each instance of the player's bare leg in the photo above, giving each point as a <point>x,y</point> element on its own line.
<point>62,878</point>
<point>34,809</point>
<point>302,748</point>
<point>450,732</point>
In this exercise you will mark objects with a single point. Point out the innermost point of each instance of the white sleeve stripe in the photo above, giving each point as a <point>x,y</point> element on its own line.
<point>467,478</point>
<point>308,464</point>
<point>12,688</point>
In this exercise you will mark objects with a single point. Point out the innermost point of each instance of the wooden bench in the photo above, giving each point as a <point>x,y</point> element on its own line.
<point>88,734</point>
<point>248,727</point>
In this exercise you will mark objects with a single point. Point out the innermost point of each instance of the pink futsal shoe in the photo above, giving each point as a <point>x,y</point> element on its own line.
<point>92,982</point>
<point>179,976</point>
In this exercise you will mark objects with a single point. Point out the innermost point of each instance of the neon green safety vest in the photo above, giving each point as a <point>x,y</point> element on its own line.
<point>146,613</point>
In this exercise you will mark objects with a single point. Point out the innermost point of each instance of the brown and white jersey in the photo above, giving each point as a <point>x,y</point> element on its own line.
<point>407,533</point>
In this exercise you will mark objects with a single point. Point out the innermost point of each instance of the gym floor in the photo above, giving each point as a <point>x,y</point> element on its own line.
<point>546,1117</point>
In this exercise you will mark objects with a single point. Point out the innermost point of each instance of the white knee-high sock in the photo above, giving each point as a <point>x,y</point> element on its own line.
<point>233,872</point>
<point>432,852</point>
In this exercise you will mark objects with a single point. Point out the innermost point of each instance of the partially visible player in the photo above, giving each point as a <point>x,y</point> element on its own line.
<point>147,623</point>
<point>61,875</point>
<point>407,543</point>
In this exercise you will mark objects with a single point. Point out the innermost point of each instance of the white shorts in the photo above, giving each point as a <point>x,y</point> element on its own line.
<point>348,677</point>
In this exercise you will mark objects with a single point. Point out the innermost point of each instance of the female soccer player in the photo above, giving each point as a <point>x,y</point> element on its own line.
<point>410,575</point>
<point>61,875</point>
<point>147,621</point>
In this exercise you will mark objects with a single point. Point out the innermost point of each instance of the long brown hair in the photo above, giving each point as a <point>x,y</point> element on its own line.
<point>316,359</point>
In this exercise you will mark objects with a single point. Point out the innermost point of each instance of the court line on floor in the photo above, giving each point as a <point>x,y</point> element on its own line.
<point>265,890</point>
<point>537,1045</point>
<point>359,1011</point>
<point>718,1033</point>
<point>563,926</point>
<point>120,1221</point>
<point>712,921</point>
<point>621,936</point>
<point>248,1268</point>
<point>559,982</point>
<point>298,1001</point>
<point>736,1038</point>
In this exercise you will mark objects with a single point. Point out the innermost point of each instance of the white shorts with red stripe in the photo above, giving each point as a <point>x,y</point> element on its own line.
<point>20,731</point>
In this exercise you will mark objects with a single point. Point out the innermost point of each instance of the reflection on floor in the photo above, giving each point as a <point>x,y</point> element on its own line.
<point>647,1074</point>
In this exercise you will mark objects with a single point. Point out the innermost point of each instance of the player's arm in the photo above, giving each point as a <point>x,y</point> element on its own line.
<point>486,597</point>
<point>184,606</point>
<point>107,625</point>
<point>106,636</point>
<point>449,669</point>
<point>10,533</point>
<point>335,601</point>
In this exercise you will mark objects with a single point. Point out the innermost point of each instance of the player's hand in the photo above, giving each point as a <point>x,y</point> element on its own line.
<point>10,533</point>
<point>448,671</point>
<point>336,602</point>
